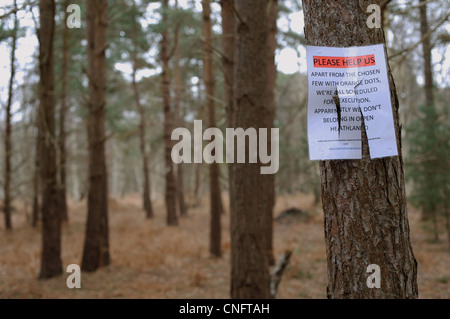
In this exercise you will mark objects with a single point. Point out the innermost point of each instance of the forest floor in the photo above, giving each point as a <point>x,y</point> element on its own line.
<point>151,260</point>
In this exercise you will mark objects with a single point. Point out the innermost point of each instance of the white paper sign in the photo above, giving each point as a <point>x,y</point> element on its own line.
<point>346,87</point>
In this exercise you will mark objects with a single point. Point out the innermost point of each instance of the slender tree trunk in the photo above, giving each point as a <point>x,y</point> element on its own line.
<point>434,218</point>
<point>249,258</point>
<point>180,191</point>
<point>426,49</point>
<point>228,25</point>
<point>197,185</point>
<point>51,265</point>
<point>198,167</point>
<point>271,85</point>
<point>208,78</point>
<point>447,222</point>
<point>170,192</point>
<point>364,201</point>
<point>8,147</point>
<point>96,245</point>
<point>62,197</point>
<point>427,214</point>
<point>36,173</point>
<point>178,120</point>
<point>142,139</point>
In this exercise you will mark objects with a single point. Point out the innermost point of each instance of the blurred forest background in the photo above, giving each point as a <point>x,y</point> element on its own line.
<point>149,259</point>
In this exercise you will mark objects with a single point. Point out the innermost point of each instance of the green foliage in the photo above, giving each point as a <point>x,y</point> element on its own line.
<point>297,172</point>
<point>429,139</point>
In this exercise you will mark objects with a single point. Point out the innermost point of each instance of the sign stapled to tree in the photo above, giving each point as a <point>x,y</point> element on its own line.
<point>348,89</point>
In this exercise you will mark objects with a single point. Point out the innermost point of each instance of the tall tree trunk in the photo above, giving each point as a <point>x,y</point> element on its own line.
<point>208,79</point>
<point>8,147</point>
<point>427,214</point>
<point>364,201</point>
<point>96,244</point>
<point>142,139</point>
<point>170,192</point>
<point>271,85</point>
<point>447,221</point>
<point>228,25</point>
<point>249,258</point>
<point>36,173</point>
<point>197,179</point>
<point>198,167</point>
<point>426,49</point>
<point>62,197</point>
<point>178,119</point>
<point>51,265</point>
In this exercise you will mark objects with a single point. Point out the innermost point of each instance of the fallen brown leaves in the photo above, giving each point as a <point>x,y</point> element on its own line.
<point>151,260</point>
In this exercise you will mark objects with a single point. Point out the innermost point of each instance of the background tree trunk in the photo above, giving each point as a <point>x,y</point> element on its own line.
<point>178,118</point>
<point>364,200</point>
<point>51,265</point>
<point>8,147</point>
<point>271,86</point>
<point>62,198</point>
<point>228,26</point>
<point>427,213</point>
<point>96,245</point>
<point>249,258</point>
<point>426,49</point>
<point>447,222</point>
<point>36,173</point>
<point>170,192</point>
<point>146,191</point>
<point>208,78</point>
<point>198,172</point>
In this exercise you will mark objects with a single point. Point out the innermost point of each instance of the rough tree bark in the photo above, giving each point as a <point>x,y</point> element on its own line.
<point>62,198</point>
<point>96,244</point>
<point>170,192</point>
<point>364,200</point>
<point>208,79</point>
<point>271,85</point>
<point>8,147</point>
<point>249,258</point>
<point>51,265</point>
<point>146,191</point>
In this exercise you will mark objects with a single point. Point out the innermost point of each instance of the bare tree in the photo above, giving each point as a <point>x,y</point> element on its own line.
<point>271,85</point>
<point>208,78</point>
<point>8,146</point>
<point>51,265</point>
<point>428,86</point>
<point>249,257</point>
<point>170,192</point>
<point>178,90</point>
<point>96,244</point>
<point>142,133</point>
<point>62,198</point>
<point>228,26</point>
